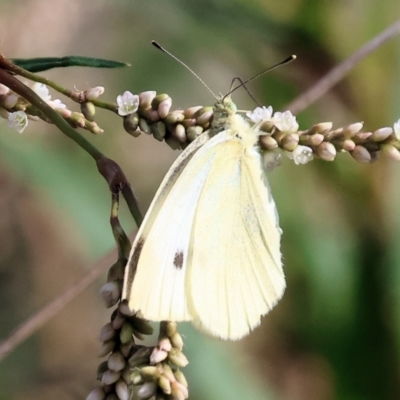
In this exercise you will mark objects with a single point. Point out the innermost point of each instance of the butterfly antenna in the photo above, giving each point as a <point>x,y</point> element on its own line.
<point>159,47</point>
<point>242,84</point>
<point>286,61</point>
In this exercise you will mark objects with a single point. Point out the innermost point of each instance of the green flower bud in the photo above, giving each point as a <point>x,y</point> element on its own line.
<point>126,332</point>
<point>177,358</point>
<point>181,378</point>
<point>158,130</point>
<point>88,109</point>
<point>164,384</point>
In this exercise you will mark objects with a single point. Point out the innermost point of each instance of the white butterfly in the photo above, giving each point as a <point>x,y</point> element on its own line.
<point>208,250</point>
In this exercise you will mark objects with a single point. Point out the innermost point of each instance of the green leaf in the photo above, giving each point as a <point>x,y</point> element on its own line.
<point>45,63</point>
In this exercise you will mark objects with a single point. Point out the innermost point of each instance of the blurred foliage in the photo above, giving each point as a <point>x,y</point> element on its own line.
<point>336,332</point>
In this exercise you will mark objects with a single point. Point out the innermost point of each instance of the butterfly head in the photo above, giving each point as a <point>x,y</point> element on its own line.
<point>224,110</point>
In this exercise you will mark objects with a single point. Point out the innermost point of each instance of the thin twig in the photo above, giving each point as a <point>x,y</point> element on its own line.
<point>37,320</point>
<point>337,73</point>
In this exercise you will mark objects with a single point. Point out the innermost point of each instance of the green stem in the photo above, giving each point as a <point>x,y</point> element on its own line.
<point>110,170</point>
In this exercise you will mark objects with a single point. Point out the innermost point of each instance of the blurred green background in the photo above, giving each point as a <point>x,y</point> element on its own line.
<point>336,332</point>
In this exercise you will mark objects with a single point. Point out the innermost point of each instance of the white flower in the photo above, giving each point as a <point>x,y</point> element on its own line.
<point>42,91</point>
<point>396,128</point>
<point>301,155</point>
<point>56,104</point>
<point>128,103</point>
<point>18,120</point>
<point>285,122</point>
<point>271,159</point>
<point>260,114</point>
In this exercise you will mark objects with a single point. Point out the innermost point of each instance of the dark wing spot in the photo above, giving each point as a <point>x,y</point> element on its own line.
<point>178,260</point>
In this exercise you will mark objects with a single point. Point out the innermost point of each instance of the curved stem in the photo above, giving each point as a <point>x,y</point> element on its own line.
<point>336,74</point>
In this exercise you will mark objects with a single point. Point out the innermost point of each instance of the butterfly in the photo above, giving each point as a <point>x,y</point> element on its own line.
<point>208,250</point>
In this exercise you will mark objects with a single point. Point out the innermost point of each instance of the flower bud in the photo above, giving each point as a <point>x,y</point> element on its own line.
<point>118,321</point>
<point>164,107</point>
<point>126,348</point>
<point>140,357</point>
<point>116,361</point>
<point>103,367</point>
<point>144,126</point>
<point>181,378</point>
<point>348,145</point>
<point>193,132</point>
<point>141,325</point>
<point>164,384</point>
<point>10,100</point>
<point>174,117</point>
<point>158,130</point>
<point>109,377</point>
<point>146,98</point>
<point>178,391</point>
<point>110,292</point>
<point>178,358</point>
<point>158,355</point>
<point>93,93</point>
<point>124,309</point>
<point>320,127</point>
<point>131,124</point>
<point>96,394</point>
<point>147,390</point>
<point>158,100</point>
<point>107,332</point>
<point>192,111</point>
<point>203,116</point>
<point>289,142</point>
<point>267,142</point>
<point>381,134</point>
<point>88,109</point>
<point>361,154</point>
<point>391,152</point>
<point>326,151</point>
<point>179,132</point>
<point>126,332</point>
<point>164,344</point>
<point>170,328</point>
<point>350,130</point>
<point>177,341</point>
<point>149,373</point>
<point>105,348</point>
<point>121,388</point>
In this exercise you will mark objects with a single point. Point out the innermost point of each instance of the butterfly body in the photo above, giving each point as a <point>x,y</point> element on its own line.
<point>208,250</point>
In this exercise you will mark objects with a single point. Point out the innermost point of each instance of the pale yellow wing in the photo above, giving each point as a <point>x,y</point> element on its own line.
<point>155,281</point>
<point>235,272</point>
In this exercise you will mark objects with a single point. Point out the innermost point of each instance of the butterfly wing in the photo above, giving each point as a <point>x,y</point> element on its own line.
<point>235,272</point>
<point>155,277</point>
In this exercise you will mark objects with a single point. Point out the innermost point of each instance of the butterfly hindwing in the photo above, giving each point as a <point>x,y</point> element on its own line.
<point>235,274</point>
